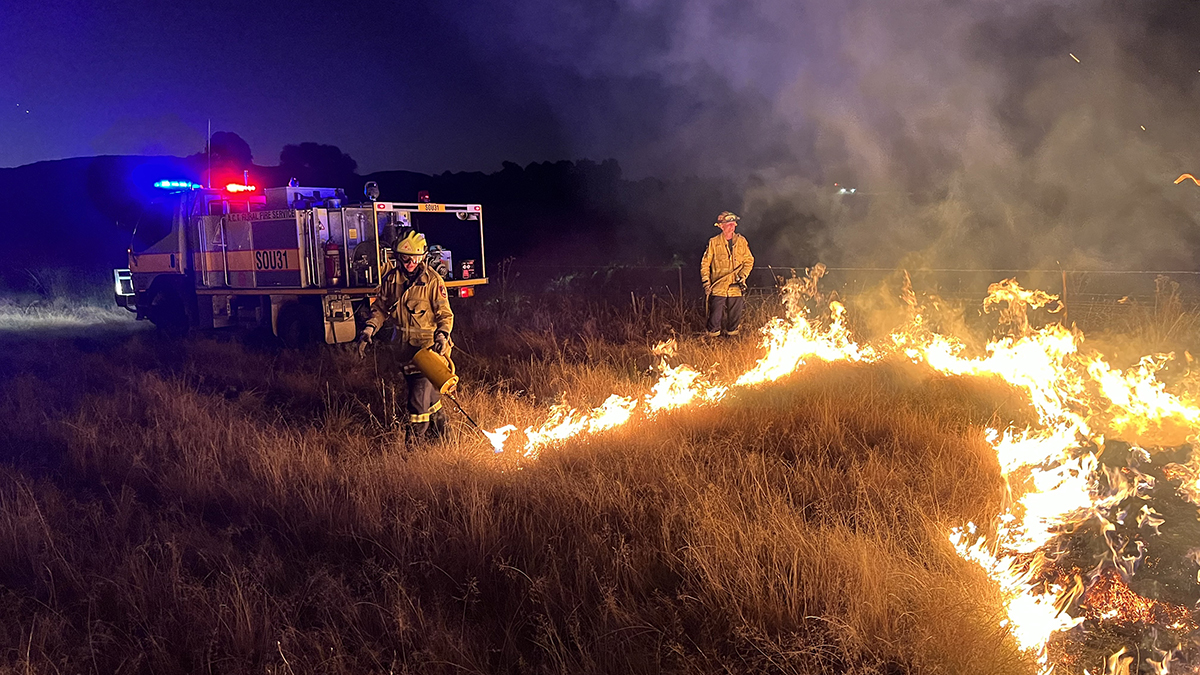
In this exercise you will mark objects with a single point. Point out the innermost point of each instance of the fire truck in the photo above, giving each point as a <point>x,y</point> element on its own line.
<point>297,259</point>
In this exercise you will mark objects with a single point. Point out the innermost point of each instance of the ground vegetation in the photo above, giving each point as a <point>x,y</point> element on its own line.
<point>221,505</point>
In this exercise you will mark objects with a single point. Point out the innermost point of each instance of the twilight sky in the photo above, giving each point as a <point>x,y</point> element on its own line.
<point>663,85</point>
<point>1060,122</point>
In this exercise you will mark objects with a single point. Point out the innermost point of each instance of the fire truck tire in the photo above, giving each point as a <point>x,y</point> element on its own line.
<point>300,325</point>
<point>168,312</point>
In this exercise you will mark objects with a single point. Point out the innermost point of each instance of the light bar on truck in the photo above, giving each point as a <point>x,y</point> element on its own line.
<point>176,185</point>
<point>238,187</point>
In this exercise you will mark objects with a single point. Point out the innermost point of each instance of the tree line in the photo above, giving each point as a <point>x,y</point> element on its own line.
<point>80,213</point>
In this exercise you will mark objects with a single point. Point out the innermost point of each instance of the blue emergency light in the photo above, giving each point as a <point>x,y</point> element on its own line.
<point>176,185</point>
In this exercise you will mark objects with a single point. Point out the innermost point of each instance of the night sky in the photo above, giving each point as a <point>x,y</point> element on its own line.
<point>972,122</point>
<point>397,85</point>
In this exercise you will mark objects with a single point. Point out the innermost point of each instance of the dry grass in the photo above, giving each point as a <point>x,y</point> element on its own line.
<point>212,507</point>
<point>36,315</point>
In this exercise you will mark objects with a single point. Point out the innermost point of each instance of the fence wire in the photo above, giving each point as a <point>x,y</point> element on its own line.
<point>1072,285</point>
<point>1092,299</point>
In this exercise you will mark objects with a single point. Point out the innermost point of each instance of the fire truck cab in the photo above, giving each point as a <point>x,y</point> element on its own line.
<point>297,259</point>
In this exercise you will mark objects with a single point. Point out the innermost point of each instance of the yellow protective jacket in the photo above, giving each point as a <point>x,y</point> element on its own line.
<point>723,270</point>
<point>420,306</point>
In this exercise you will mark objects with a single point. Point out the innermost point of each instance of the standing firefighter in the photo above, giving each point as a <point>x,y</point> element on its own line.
<point>415,296</point>
<point>726,264</point>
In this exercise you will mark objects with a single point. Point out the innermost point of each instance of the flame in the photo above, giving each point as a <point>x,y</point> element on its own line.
<point>1032,617</point>
<point>1072,393</point>
<point>665,348</point>
<point>498,436</point>
<point>1140,404</point>
<point>1080,399</point>
<point>680,386</point>
<point>789,342</point>
<point>565,423</point>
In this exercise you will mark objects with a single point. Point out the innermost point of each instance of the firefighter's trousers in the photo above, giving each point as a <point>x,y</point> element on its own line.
<point>424,406</point>
<point>725,314</point>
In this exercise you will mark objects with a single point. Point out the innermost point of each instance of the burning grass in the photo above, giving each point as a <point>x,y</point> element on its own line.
<point>209,507</point>
<point>206,506</point>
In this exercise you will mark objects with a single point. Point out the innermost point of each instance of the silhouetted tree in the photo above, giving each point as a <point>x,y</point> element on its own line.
<point>317,164</point>
<point>230,151</point>
<point>228,154</point>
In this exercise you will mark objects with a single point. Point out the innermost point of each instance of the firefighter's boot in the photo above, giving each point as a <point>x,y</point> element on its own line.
<point>415,434</point>
<point>438,425</point>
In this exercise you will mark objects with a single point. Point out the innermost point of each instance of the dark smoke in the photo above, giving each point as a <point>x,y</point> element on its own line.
<point>971,135</point>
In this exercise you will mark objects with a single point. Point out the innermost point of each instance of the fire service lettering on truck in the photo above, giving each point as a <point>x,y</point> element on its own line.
<point>276,214</point>
<point>277,260</point>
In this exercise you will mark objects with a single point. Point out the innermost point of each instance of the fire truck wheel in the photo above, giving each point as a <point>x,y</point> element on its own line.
<point>168,313</point>
<point>300,326</point>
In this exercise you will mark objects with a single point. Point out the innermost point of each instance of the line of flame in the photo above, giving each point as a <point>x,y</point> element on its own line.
<point>1070,391</point>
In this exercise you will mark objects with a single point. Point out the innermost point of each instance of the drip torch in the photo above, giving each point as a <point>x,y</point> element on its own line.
<point>439,370</point>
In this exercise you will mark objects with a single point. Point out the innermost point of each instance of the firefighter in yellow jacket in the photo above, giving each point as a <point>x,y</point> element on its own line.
<point>726,264</point>
<point>415,297</point>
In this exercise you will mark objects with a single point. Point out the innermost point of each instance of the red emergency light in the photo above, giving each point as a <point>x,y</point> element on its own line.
<point>238,187</point>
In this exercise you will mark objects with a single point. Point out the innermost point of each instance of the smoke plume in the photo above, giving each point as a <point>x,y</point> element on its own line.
<point>972,132</point>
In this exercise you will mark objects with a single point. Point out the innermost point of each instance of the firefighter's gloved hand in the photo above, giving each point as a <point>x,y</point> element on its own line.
<point>741,284</point>
<point>441,342</point>
<point>364,339</point>
<point>707,288</point>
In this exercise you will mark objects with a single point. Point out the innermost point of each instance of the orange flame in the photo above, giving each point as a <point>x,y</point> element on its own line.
<point>1078,398</point>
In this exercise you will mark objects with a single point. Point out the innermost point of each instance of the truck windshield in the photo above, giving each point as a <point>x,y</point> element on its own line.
<point>155,224</point>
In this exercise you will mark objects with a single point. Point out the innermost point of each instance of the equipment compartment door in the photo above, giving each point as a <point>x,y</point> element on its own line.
<point>276,259</point>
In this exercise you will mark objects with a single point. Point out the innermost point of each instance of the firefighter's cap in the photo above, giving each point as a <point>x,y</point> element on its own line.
<point>412,243</point>
<point>726,217</point>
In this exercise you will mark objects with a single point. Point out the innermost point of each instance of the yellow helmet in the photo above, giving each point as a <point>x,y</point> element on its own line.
<point>412,243</point>
<point>726,217</point>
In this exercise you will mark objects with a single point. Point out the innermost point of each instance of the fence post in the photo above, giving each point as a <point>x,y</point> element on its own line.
<point>1064,298</point>
<point>682,315</point>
